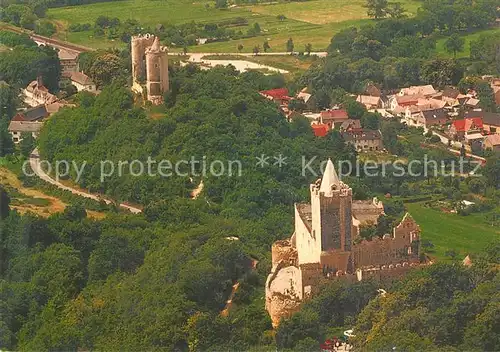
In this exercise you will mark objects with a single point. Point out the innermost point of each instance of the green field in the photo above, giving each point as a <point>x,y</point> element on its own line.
<point>464,234</point>
<point>468,38</point>
<point>314,21</point>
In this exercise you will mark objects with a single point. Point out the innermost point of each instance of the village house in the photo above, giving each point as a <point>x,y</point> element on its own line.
<point>451,96</point>
<point>333,116</point>
<point>413,113</point>
<point>370,102</point>
<point>425,91</point>
<point>350,125</point>
<point>491,120</point>
<point>58,105</point>
<point>18,128</point>
<point>304,95</point>
<point>82,82</point>
<point>431,118</point>
<point>37,94</point>
<point>320,129</point>
<point>471,103</point>
<point>37,113</point>
<point>363,139</point>
<point>372,90</point>
<point>460,128</point>
<point>492,142</point>
<point>278,95</point>
<point>403,101</point>
<point>495,85</point>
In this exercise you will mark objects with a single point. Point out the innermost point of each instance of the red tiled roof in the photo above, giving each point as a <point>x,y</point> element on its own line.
<point>407,100</point>
<point>278,93</point>
<point>466,124</point>
<point>320,130</point>
<point>334,114</point>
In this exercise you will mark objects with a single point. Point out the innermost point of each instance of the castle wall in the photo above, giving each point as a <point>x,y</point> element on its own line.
<point>390,249</point>
<point>332,262</point>
<point>308,244</point>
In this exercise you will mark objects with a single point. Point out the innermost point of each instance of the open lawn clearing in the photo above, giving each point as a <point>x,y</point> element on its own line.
<point>464,234</point>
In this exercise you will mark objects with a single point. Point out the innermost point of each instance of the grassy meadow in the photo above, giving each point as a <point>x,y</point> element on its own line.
<point>469,37</point>
<point>314,21</point>
<point>464,234</point>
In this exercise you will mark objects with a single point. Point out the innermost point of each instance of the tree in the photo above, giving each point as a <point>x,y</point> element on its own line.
<point>256,28</point>
<point>256,50</point>
<point>377,8</point>
<point>266,46</point>
<point>27,144</point>
<point>371,120</point>
<point>105,69</point>
<point>396,10</point>
<point>6,144</point>
<point>45,28</point>
<point>355,110</point>
<point>486,96</point>
<point>308,48</point>
<point>454,44</point>
<point>463,152</point>
<point>221,4</point>
<point>8,101</point>
<point>289,46</point>
<point>240,47</point>
<point>4,203</point>
<point>28,20</point>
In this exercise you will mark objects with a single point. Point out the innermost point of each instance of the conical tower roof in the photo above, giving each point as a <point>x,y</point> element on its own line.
<point>330,178</point>
<point>156,45</point>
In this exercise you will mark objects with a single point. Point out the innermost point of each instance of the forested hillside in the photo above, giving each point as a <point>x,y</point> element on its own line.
<point>217,114</point>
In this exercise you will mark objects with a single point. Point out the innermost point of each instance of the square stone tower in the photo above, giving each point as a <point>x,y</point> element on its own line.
<point>331,204</point>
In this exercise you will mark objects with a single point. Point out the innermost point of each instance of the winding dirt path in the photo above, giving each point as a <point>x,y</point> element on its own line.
<point>55,205</point>
<point>38,170</point>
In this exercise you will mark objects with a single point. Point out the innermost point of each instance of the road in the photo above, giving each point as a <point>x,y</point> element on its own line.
<point>38,170</point>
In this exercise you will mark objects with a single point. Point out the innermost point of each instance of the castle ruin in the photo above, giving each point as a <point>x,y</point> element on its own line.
<point>149,66</point>
<point>326,244</point>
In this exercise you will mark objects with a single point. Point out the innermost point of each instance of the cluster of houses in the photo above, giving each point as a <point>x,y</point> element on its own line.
<point>456,116</point>
<point>332,119</point>
<point>40,103</point>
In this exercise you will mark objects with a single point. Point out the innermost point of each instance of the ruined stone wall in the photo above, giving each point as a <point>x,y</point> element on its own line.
<point>282,251</point>
<point>138,50</point>
<point>390,249</point>
<point>284,291</point>
<point>280,306</point>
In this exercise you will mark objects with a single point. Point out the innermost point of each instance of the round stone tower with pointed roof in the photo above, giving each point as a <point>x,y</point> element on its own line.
<point>156,72</point>
<point>149,64</point>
